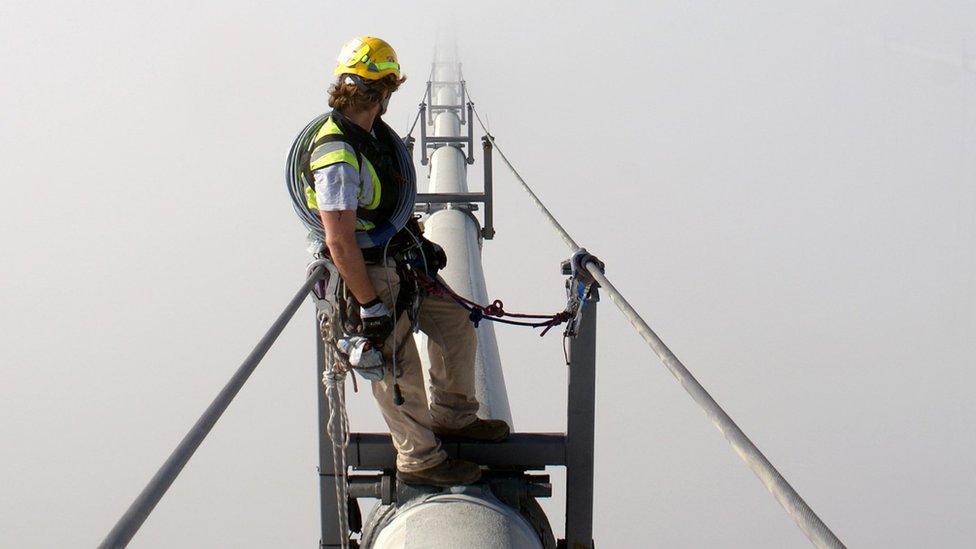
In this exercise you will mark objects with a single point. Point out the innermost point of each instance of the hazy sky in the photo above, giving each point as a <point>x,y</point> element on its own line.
<point>785,190</point>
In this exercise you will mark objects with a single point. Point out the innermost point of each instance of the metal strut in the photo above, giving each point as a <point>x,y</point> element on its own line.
<point>580,419</point>
<point>467,201</point>
<point>464,111</point>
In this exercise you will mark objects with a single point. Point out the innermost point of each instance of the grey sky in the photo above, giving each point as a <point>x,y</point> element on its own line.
<point>784,189</point>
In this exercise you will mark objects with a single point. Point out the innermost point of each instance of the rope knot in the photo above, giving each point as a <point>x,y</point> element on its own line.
<point>496,308</point>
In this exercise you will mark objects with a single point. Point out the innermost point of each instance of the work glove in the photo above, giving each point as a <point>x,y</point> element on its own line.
<point>363,356</point>
<point>377,321</point>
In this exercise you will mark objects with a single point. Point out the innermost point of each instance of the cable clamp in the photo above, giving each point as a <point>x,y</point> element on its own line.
<point>575,266</point>
<point>578,286</point>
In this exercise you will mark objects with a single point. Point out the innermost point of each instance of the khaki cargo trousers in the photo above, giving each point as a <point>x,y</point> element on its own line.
<point>451,345</point>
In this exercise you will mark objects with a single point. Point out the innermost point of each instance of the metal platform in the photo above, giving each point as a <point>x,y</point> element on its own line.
<point>522,451</point>
<point>373,457</point>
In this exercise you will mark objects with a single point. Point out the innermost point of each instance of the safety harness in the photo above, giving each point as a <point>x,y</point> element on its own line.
<point>339,312</point>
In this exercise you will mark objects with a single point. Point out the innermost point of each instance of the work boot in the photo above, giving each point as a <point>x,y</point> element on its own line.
<point>482,430</point>
<point>450,472</point>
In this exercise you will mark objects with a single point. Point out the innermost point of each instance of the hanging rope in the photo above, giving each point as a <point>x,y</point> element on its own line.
<point>334,381</point>
<point>495,311</point>
<point>334,384</point>
<point>801,513</point>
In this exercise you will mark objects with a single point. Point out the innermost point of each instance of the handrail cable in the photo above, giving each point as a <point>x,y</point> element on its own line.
<point>801,513</point>
<point>422,104</point>
<point>146,501</point>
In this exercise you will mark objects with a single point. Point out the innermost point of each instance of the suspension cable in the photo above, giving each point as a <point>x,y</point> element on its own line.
<point>420,110</point>
<point>542,207</point>
<point>801,513</point>
<point>423,102</point>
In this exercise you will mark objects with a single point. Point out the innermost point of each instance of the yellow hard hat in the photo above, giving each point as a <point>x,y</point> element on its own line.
<point>368,57</point>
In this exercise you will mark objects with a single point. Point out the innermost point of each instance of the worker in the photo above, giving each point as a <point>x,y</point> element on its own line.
<point>358,180</point>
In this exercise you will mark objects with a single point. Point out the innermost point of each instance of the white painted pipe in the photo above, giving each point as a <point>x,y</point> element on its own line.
<point>467,517</point>
<point>452,521</point>
<point>459,234</point>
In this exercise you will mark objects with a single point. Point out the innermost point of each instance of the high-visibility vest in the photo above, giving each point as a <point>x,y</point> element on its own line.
<point>378,188</point>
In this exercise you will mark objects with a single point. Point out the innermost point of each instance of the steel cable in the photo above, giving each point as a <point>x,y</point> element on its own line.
<point>423,102</point>
<point>801,513</point>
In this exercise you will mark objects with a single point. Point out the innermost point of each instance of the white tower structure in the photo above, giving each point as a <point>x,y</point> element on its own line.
<point>465,516</point>
<point>459,233</point>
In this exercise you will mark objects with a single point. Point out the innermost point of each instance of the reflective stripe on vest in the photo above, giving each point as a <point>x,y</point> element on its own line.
<point>328,154</point>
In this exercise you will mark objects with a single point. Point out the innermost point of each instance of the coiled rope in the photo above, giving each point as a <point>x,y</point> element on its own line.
<point>297,181</point>
<point>801,513</point>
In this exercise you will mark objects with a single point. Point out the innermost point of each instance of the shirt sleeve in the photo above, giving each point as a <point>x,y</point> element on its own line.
<point>337,187</point>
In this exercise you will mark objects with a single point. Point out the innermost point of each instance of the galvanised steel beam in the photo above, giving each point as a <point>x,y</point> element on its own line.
<point>522,451</point>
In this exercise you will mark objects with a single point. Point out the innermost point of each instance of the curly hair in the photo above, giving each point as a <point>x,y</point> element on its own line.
<point>346,96</point>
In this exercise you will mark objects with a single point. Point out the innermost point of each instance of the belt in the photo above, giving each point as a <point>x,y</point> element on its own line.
<point>400,242</point>
<point>374,255</point>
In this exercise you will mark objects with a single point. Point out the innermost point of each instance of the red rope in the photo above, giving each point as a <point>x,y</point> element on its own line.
<point>495,310</point>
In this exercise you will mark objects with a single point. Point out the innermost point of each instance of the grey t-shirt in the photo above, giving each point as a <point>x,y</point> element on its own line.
<point>337,187</point>
<point>340,187</point>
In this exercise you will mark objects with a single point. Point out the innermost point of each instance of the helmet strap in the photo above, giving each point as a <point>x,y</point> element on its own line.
<point>357,80</point>
<point>360,83</point>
